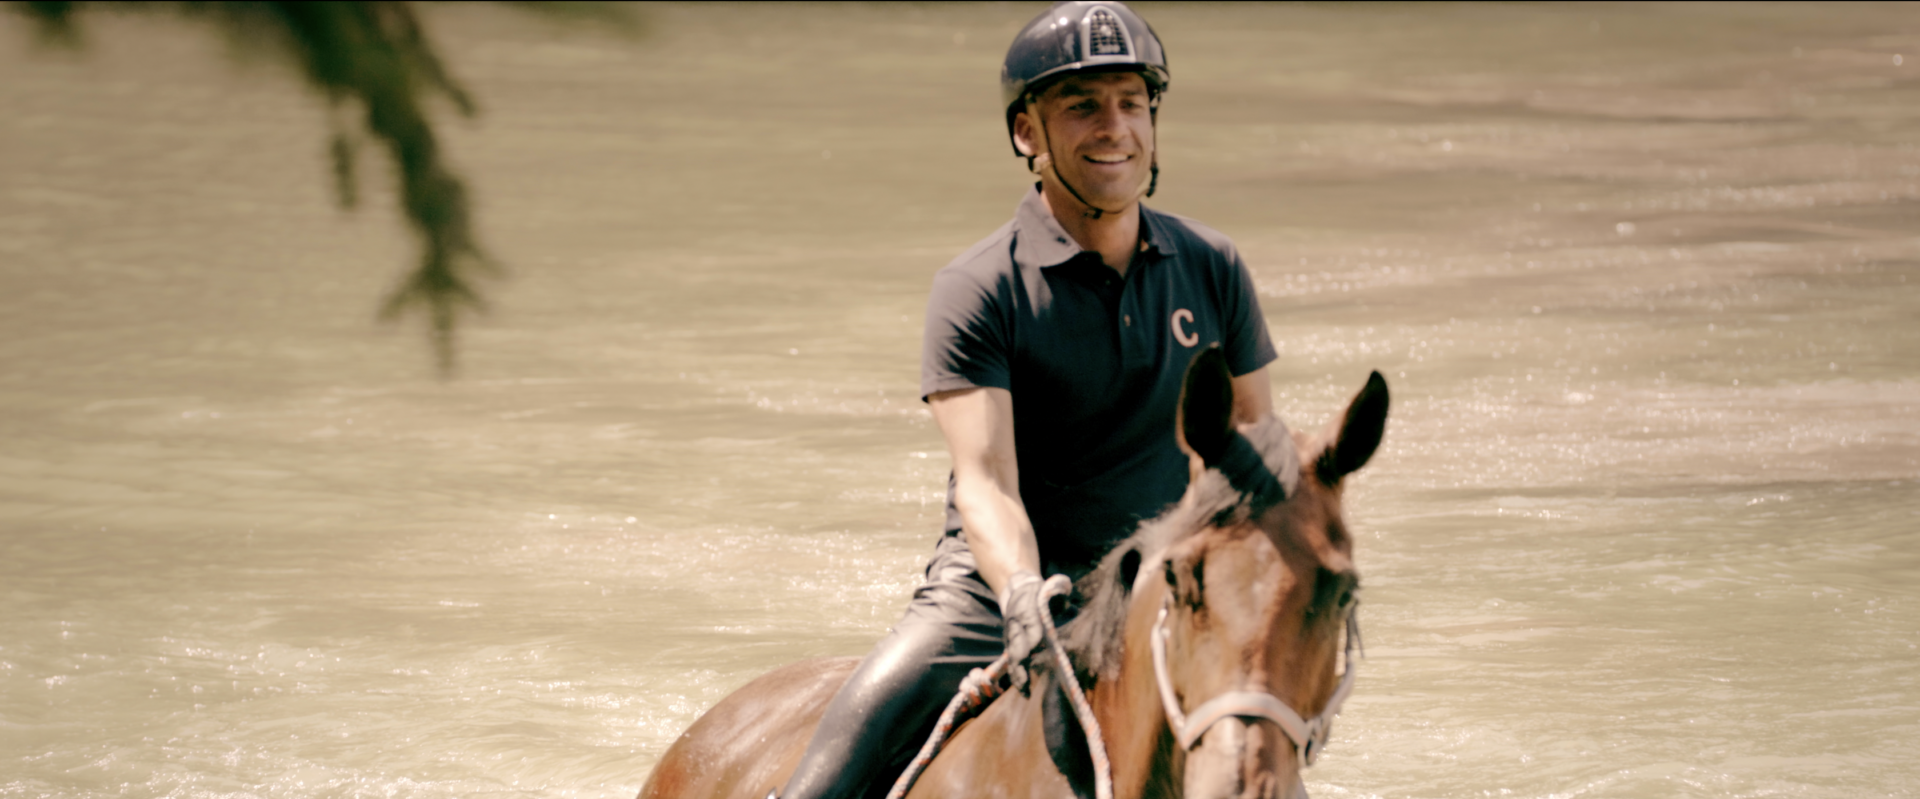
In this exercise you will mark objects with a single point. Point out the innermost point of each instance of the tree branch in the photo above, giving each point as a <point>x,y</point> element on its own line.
<point>372,59</point>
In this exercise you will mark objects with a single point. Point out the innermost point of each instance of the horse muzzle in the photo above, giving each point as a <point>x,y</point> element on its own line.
<point>1237,759</point>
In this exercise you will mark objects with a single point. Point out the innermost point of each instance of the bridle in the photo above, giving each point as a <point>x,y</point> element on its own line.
<point>1309,735</point>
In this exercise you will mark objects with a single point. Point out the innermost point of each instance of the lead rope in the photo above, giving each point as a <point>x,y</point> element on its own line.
<point>982,686</point>
<point>1059,585</point>
<point>979,688</point>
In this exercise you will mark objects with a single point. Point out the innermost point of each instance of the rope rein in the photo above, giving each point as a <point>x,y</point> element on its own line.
<point>1059,585</point>
<point>982,686</point>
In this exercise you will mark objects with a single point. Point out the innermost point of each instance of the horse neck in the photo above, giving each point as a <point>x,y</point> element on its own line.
<point>1146,761</point>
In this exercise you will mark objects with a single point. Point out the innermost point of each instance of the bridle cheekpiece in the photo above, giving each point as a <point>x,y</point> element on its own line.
<point>1309,736</point>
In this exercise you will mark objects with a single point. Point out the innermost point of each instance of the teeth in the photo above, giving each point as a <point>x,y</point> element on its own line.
<point>1108,159</point>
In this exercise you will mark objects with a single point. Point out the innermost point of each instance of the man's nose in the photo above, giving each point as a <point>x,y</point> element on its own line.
<point>1111,121</point>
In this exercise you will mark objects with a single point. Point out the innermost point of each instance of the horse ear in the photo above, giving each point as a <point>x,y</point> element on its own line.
<point>1360,433</point>
<point>1205,423</point>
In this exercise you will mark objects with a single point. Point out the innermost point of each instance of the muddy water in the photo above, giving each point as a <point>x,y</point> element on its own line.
<point>1645,282</point>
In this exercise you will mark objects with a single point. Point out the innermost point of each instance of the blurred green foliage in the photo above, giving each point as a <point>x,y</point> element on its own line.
<point>374,63</point>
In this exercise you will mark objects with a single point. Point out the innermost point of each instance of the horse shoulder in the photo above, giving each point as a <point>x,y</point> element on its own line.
<point>1002,754</point>
<point>751,740</point>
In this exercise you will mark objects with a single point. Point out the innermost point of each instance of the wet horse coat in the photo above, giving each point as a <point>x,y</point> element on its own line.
<point>1254,569</point>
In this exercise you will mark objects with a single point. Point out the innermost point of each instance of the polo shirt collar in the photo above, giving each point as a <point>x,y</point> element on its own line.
<point>1042,242</point>
<point>1153,233</point>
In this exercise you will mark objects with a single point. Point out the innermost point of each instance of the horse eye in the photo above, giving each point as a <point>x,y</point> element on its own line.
<point>1335,589</point>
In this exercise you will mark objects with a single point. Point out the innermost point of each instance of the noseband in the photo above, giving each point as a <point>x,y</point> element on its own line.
<point>1309,735</point>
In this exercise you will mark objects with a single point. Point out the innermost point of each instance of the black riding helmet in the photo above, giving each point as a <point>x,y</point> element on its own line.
<point>1078,37</point>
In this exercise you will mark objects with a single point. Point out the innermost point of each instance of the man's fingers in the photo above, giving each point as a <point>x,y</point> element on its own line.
<point>1020,609</point>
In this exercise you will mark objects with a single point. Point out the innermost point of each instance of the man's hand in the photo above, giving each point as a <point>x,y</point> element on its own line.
<point>1020,613</point>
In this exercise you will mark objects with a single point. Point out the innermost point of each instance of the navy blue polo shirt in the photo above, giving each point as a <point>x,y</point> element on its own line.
<point>1094,362</point>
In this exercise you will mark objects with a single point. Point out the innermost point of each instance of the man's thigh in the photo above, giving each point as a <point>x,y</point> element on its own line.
<point>957,602</point>
<point>955,608</point>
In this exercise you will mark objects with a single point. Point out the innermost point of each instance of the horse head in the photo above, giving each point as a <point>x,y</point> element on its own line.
<point>1240,609</point>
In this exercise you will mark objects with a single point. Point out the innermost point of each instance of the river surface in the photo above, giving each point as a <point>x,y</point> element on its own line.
<point>1645,281</point>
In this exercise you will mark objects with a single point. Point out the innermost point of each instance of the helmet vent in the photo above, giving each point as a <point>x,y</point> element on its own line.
<point>1105,35</point>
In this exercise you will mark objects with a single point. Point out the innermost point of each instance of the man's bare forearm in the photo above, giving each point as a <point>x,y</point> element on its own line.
<point>978,426</point>
<point>1252,397</point>
<point>998,531</point>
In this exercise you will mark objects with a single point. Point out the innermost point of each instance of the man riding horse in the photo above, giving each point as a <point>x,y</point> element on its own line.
<point>1053,362</point>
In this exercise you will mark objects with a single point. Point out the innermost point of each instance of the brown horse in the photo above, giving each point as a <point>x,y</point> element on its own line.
<point>1247,584</point>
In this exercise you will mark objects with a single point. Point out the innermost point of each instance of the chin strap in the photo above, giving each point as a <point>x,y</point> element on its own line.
<point>1042,165</point>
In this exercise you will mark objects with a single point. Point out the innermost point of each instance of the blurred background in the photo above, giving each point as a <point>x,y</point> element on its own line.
<point>1644,279</point>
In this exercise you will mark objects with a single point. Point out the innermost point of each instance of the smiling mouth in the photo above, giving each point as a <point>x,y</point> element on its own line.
<point>1107,159</point>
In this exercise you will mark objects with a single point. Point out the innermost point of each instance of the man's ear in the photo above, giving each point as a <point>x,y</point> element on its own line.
<point>1023,133</point>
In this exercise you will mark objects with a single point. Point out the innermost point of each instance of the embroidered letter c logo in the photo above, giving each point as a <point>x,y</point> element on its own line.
<point>1180,334</point>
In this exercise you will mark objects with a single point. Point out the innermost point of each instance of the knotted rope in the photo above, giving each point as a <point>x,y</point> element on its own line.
<point>982,686</point>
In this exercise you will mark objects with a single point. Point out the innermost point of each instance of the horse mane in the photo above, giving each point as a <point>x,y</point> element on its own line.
<point>1094,638</point>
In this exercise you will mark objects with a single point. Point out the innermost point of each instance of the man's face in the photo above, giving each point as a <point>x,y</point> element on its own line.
<point>1100,131</point>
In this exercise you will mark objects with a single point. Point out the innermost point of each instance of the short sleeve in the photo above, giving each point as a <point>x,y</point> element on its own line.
<point>967,342</point>
<point>1248,345</point>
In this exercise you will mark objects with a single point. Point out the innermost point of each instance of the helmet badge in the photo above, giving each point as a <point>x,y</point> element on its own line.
<point>1102,34</point>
